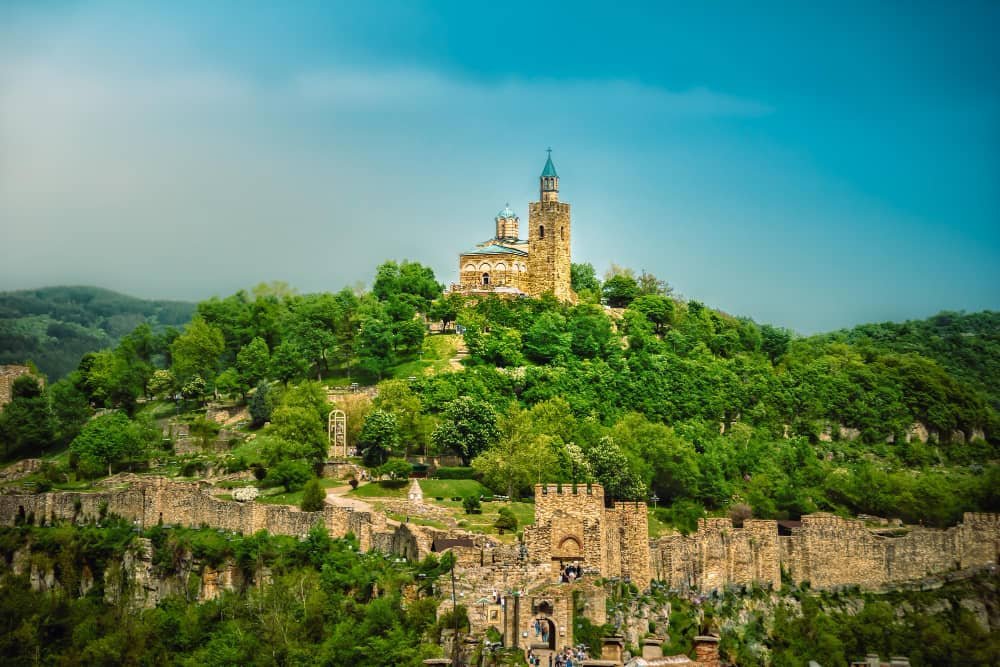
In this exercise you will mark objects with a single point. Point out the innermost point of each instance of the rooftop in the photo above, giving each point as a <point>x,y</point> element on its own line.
<point>495,249</point>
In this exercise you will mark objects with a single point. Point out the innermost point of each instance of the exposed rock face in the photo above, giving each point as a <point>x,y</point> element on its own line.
<point>245,494</point>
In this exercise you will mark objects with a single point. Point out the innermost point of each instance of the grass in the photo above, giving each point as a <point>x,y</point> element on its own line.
<point>437,350</point>
<point>432,488</point>
<point>420,521</point>
<point>294,497</point>
<point>483,523</point>
<point>657,526</point>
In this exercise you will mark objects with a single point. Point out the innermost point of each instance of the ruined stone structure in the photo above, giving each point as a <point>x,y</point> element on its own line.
<point>825,550</point>
<point>8,374</point>
<point>336,432</point>
<point>509,265</point>
<point>574,527</point>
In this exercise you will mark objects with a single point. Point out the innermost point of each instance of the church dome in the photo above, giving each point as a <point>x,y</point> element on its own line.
<point>506,213</point>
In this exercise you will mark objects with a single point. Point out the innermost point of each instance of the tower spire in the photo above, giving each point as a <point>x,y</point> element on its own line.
<point>549,180</point>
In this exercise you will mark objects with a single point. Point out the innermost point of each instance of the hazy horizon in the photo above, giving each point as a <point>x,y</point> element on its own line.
<point>810,167</point>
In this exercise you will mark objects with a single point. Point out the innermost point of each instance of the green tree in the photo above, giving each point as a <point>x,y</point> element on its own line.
<point>161,384</point>
<point>394,469</point>
<point>197,351</point>
<point>619,290</point>
<point>446,309</point>
<point>584,277</point>
<point>302,426</point>
<point>287,362</point>
<point>468,427</point>
<point>547,339</point>
<point>106,440</point>
<point>290,474</point>
<point>261,405</point>
<point>506,520</point>
<point>70,407</point>
<point>379,437</point>
<point>253,362</point>
<point>26,423</point>
<point>614,471</point>
<point>313,496</point>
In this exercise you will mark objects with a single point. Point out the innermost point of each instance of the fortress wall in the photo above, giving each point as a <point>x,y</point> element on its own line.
<point>150,500</point>
<point>581,501</point>
<point>719,555</point>
<point>9,373</point>
<point>827,551</point>
<point>632,534</point>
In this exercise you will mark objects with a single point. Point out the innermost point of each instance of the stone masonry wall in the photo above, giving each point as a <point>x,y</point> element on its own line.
<point>8,374</point>
<point>149,500</point>
<point>549,256</point>
<point>719,555</point>
<point>826,551</point>
<point>829,551</point>
<point>628,526</point>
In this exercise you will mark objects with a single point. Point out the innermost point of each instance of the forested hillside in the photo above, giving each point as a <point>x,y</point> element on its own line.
<point>656,396</point>
<point>54,327</point>
<point>967,345</point>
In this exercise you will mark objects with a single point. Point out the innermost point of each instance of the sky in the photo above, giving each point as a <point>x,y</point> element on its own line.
<point>811,165</point>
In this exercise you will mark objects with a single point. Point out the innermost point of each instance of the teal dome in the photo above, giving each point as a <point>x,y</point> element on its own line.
<point>506,213</point>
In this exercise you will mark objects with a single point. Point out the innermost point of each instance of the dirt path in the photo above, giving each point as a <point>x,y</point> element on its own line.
<point>338,496</point>
<point>461,352</point>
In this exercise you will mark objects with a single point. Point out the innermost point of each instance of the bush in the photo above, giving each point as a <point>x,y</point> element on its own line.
<point>313,496</point>
<point>454,472</point>
<point>471,505</point>
<point>506,520</point>
<point>290,474</point>
<point>394,469</point>
<point>738,513</point>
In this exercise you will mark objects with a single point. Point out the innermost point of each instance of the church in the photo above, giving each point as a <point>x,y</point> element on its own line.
<point>508,265</point>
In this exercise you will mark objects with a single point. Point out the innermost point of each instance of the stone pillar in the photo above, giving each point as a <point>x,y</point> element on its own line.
<point>612,648</point>
<point>652,647</point>
<point>706,650</point>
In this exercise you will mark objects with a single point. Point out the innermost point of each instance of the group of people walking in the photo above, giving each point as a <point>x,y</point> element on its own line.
<point>568,657</point>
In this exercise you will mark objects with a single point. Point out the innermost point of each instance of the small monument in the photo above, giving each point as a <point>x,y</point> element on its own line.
<point>415,494</point>
<point>336,429</point>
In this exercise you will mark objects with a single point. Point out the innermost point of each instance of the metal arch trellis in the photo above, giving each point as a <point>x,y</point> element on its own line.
<point>337,433</point>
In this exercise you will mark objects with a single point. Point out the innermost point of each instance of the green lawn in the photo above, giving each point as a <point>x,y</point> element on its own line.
<point>444,488</point>
<point>295,497</point>
<point>438,349</point>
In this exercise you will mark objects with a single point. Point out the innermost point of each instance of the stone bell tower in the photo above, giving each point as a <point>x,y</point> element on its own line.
<point>549,239</point>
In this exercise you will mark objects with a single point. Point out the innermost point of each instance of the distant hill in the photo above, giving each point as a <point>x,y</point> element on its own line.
<point>55,326</point>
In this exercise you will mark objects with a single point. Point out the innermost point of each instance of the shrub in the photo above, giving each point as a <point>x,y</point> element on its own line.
<point>471,505</point>
<point>313,496</point>
<point>454,472</point>
<point>506,520</point>
<point>738,513</point>
<point>394,469</point>
<point>290,474</point>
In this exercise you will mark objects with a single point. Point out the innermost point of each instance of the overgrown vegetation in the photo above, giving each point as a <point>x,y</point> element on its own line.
<point>325,603</point>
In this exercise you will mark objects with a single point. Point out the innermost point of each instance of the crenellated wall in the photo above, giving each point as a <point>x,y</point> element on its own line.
<point>829,551</point>
<point>826,550</point>
<point>719,555</point>
<point>151,500</point>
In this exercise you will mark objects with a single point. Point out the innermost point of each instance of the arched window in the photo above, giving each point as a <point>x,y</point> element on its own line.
<point>486,279</point>
<point>562,233</point>
<point>541,231</point>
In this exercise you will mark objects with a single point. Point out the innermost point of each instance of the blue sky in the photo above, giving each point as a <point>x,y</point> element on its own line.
<point>814,165</point>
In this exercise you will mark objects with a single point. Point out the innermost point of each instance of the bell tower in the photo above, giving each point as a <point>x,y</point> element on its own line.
<point>549,239</point>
